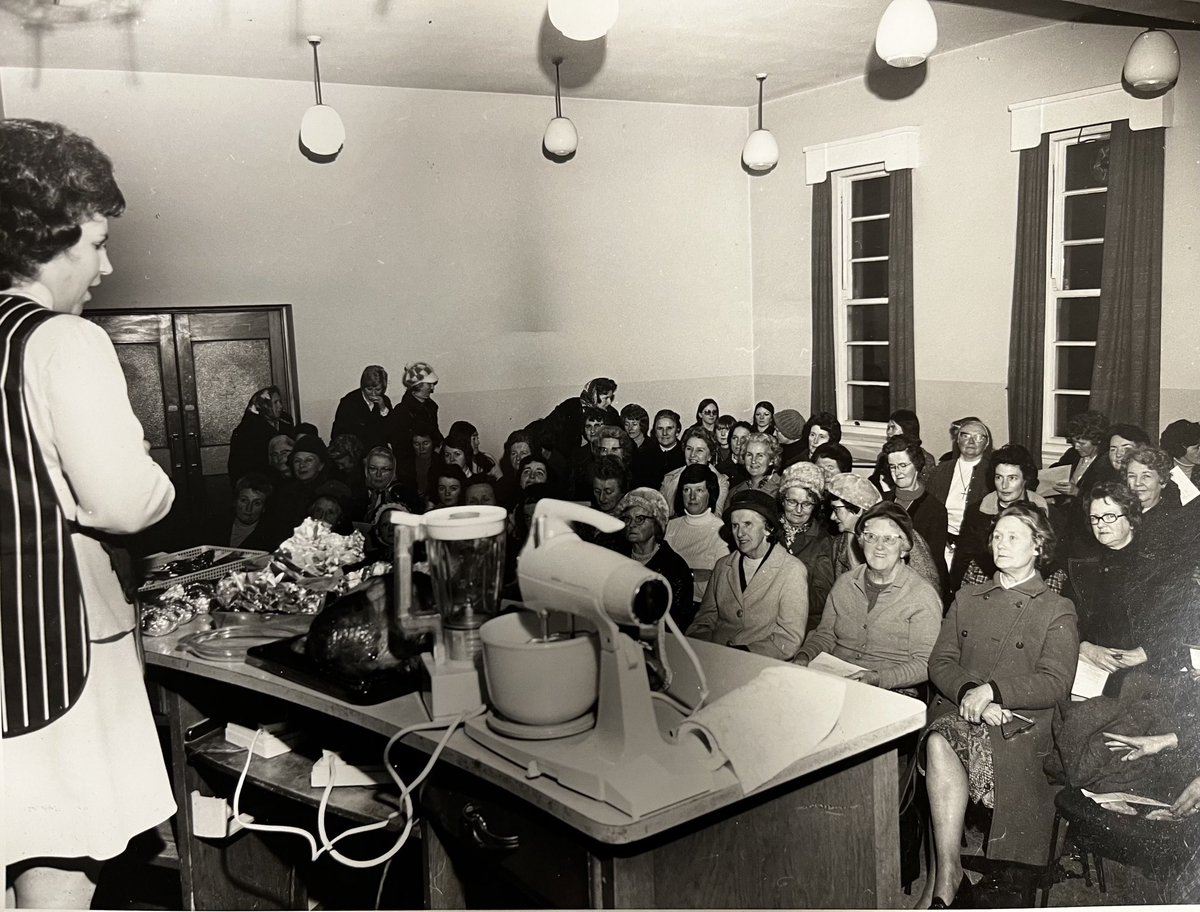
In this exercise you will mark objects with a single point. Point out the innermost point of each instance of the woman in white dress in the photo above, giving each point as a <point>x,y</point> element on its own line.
<point>83,771</point>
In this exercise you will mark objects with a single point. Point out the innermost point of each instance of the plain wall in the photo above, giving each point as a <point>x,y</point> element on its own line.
<point>964,217</point>
<point>441,233</point>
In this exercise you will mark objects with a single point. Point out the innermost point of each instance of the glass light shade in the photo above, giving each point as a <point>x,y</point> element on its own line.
<point>761,151</point>
<point>907,33</point>
<point>1153,61</point>
<point>583,20</point>
<point>322,131</point>
<point>561,136</point>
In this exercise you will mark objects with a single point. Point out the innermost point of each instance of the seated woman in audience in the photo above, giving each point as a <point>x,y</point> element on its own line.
<point>346,462</point>
<point>481,491</point>
<point>906,422</point>
<point>821,428</point>
<point>422,455</point>
<point>636,421</point>
<point>905,459</point>
<point>962,479</point>
<point>695,532</point>
<point>362,412</point>
<point>1086,434</point>
<point>757,598</point>
<point>610,483</point>
<point>660,455</point>
<point>791,432</point>
<point>458,449</point>
<point>1147,472</point>
<point>517,446</point>
<point>1181,440</point>
<point>237,526</point>
<point>832,459</point>
<point>332,506</point>
<point>738,435</point>
<point>288,506</point>
<point>1121,439</point>
<point>1005,647</point>
<point>263,419</point>
<point>802,531</point>
<point>707,413</point>
<point>479,459</point>
<point>611,440</point>
<point>379,475</point>
<point>645,514</point>
<point>565,422</point>
<point>279,454</point>
<point>764,417</point>
<point>881,615</point>
<point>536,470</point>
<point>760,459</point>
<point>448,486</point>
<point>725,453</point>
<point>1014,474</point>
<point>699,448</point>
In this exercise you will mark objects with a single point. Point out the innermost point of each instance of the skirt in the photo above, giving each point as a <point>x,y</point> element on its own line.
<point>87,783</point>
<point>973,745</point>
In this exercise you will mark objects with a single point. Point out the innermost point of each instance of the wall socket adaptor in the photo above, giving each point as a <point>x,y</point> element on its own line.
<point>213,819</point>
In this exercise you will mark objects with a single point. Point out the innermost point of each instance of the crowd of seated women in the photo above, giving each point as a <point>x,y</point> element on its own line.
<point>950,578</point>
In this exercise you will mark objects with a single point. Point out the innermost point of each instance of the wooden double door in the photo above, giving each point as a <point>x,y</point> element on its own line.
<point>190,373</point>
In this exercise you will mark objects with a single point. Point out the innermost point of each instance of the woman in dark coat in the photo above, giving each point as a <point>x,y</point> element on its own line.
<point>1008,646</point>
<point>645,513</point>
<point>363,412</point>
<point>566,422</point>
<point>802,530</point>
<point>415,410</point>
<point>263,419</point>
<point>906,464</point>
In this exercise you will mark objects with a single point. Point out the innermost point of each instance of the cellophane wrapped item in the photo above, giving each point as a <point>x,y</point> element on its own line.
<point>319,551</point>
<point>265,592</point>
<point>171,608</point>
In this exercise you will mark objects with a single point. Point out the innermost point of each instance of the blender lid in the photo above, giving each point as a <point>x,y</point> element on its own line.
<point>462,523</point>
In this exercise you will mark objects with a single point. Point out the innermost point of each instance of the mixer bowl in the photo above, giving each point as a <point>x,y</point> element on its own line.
<point>538,683</point>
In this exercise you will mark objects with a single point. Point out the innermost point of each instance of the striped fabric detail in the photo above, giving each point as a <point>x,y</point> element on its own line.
<point>43,627</point>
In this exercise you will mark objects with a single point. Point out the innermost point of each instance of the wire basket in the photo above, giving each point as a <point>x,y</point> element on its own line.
<point>244,558</point>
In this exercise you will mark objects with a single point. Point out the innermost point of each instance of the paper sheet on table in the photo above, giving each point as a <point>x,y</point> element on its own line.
<point>1127,797</point>
<point>831,664</point>
<point>1187,489</point>
<point>769,723</point>
<point>1089,680</point>
<point>1047,478</point>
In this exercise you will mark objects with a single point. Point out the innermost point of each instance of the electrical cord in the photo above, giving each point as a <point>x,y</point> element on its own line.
<point>691,654</point>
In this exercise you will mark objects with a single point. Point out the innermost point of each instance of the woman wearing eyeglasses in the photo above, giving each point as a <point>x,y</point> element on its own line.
<point>962,479</point>
<point>1005,657</point>
<point>644,511</point>
<point>802,531</point>
<point>707,413</point>
<point>881,616</point>
<point>905,459</point>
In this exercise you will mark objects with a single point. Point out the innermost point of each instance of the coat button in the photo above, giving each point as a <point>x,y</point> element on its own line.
<point>964,633</point>
<point>1020,645</point>
<point>739,612</point>
<point>986,597</point>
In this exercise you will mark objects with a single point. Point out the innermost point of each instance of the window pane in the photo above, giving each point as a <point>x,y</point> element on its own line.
<point>1064,408</point>
<point>1075,368</point>
<point>870,238</point>
<point>1087,165</point>
<point>1078,319</point>
<point>1084,216</point>
<point>868,362</point>
<point>1081,267</point>
<point>870,403</point>
<point>870,279</point>
<point>867,323</point>
<point>870,197</point>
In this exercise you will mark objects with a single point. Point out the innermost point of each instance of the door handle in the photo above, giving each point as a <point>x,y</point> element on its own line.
<point>475,824</point>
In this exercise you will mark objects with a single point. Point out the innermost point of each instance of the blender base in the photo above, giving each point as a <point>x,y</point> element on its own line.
<point>450,687</point>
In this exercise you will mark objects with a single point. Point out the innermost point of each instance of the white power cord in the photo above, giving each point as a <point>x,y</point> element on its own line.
<point>691,654</point>
<point>327,844</point>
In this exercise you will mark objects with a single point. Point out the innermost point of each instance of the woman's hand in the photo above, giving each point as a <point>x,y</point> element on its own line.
<point>866,676</point>
<point>802,661</point>
<point>1140,745</point>
<point>995,714</point>
<point>1065,487</point>
<point>1102,657</point>
<point>974,702</point>
<point>1188,800</point>
<point>1128,658</point>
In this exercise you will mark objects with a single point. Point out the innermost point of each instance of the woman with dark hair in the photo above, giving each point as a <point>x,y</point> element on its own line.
<point>802,531</point>
<point>636,421</point>
<point>739,433</point>
<point>905,460</point>
<point>832,459</point>
<point>1014,475</point>
<point>763,420</point>
<point>482,463</point>
<point>695,532</point>
<point>1086,434</point>
<point>1121,439</point>
<point>906,422</point>
<point>699,448</point>
<point>263,419</point>
<point>459,449</point>
<point>661,454</point>
<point>707,413</point>
<point>881,615</point>
<point>645,514</point>
<point>346,458</point>
<point>821,428</point>
<point>517,446</point>
<point>613,441</point>
<point>1006,647</point>
<point>565,422</point>
<point>535,470</point>
<point>448,485</point>
<point>724,455</point>
<point>362,412</point>
<point>83,769</point>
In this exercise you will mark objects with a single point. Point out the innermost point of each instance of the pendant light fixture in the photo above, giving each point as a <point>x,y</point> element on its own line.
<point>1152,63</point>
<point>561,139</point>
<point>322,134</point>
<point>907,33</point>
<point>583,20</point>
<point>761,152</point>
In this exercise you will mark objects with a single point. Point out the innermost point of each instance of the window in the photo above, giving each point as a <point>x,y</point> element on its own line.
<point>861,257</point>
<point>1077,200</point>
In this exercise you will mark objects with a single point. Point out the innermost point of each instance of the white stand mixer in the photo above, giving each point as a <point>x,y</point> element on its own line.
<point>625,760</point>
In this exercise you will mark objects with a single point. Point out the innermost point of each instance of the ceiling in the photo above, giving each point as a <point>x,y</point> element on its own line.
<point>702,52</point>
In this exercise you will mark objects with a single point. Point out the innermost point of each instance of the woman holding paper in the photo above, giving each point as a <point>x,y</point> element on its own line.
<point>881,615</point>
<point>1004,659</point>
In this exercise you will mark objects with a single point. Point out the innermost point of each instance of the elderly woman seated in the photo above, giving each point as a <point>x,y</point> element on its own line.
<point>1004,659</point>
<point>760,459</point>
<point>1147,472</point>
<point>645,514</point>
<point>803,532</point>
<point>906,468</point>
<point>757,599</point>
<point>881,615</point>
<point>901,422</point>
<point>695,532</point>
<point>699,448</point>
<point>832,459</point>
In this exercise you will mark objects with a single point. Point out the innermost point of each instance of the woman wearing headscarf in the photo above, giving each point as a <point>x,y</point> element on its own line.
<point>695,532</point>
<point>566,420</point>
<point>415,411</point>
<point>757,599</point>
<point>83,769</point>
<point>363,412</point>
<point>802,531</point>
<point>645,515</point>
<point>263,419</point>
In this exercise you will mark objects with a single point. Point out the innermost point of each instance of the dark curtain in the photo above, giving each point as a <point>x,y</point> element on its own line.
<point>1126,373</point>
<point>824,379</point>
<point>900,293</point>
<point>1027,333</point>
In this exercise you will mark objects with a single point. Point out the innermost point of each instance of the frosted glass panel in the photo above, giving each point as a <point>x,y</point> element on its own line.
<point>143,376</point>
<point>227,375</point>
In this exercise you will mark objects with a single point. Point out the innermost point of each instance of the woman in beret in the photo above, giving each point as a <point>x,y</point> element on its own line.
<point>644,512</point>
